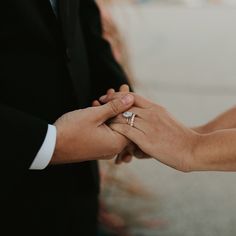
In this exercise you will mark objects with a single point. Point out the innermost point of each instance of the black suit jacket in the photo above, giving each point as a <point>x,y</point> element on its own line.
<point>49,66</point>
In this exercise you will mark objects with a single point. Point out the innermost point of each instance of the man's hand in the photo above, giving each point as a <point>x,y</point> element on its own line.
<point>82,135</point>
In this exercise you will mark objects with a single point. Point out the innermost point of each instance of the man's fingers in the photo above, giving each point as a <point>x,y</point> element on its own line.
<point>127,158</point>
<point>114,108</point>
<point>123,157</point>
<point>118,160</point>
<point>138,153</point>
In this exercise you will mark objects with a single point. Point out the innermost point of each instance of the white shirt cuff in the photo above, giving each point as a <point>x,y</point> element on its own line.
<point>46,151</point>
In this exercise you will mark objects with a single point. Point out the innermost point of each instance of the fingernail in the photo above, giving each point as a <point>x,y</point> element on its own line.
<point>102,98</point>
<point>127,99</point>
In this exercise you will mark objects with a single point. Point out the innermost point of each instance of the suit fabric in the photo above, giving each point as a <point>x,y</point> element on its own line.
<point>49,66</point>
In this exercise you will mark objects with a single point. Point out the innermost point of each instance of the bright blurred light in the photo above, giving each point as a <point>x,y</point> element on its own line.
<point>191,2</point>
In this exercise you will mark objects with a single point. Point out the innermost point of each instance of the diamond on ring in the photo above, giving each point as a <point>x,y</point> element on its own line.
<point>128,114</point>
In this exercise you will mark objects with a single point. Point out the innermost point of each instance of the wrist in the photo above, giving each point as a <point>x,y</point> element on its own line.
<point>186,157</point>
<point>194,150</point>
<point>56,157</point>
<point>200,153</point>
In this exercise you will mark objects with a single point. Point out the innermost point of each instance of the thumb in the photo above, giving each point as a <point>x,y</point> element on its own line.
<point>114,107</point>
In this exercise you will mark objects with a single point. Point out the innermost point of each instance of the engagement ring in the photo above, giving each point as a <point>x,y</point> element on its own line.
<point>128,114</point>
<point>130,117</point>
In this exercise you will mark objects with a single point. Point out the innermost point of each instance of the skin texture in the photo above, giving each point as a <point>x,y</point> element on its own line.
<point>225,120</point>
<point>82,135</point>
<point>158,134</point>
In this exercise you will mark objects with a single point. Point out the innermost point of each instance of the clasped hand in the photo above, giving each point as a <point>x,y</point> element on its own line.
<point>156,133</point>
<point>101,132</point>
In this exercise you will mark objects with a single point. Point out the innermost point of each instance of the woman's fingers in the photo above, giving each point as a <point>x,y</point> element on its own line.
<point>96,103</point>
<point>124,88</point>
<point>110,96</point>
<point>133,134</point>
<point>140,120</point>
<point>138,123</point>
<point>139,113</point>
<point>110,91</point>
<point>139,100</point>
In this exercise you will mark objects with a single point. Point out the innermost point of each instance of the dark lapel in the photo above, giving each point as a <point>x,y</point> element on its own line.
<point>40,16</point>
<point>75,49</point>
<point>68,11</point>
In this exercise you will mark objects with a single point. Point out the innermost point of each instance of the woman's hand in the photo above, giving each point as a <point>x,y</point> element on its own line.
<point>131,149</point>
<point>157,133</point>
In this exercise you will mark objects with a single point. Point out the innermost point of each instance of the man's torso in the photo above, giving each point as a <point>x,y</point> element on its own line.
<point>44,72</point>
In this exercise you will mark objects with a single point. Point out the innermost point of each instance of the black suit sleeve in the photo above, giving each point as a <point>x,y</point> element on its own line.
<point>21,138</point>
<point>105,71</point>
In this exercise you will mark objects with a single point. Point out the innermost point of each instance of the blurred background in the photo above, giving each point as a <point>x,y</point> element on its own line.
<point>182,54</point>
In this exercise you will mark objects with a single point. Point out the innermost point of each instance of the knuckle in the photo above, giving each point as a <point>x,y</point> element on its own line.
<point>114,107</point>
<point>151,113</point>
<point>119,119</point>
<point>110,96</point>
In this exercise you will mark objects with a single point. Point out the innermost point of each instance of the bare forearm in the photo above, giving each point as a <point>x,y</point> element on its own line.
<point>226,120</point>
<point>215,152</point>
